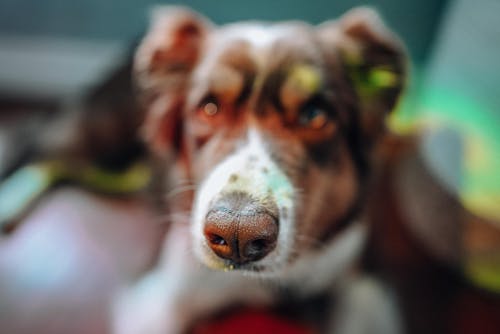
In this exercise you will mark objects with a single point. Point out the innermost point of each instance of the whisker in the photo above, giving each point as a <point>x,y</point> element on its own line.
<point>184,181</point>
<point>179,190</point>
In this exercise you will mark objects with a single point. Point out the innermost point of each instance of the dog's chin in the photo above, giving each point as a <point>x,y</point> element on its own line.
<point>259,270</point>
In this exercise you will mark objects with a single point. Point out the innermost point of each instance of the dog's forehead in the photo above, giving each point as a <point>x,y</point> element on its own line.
<point>259,35</point>
<point>258,42</point>
<point>236,52</point>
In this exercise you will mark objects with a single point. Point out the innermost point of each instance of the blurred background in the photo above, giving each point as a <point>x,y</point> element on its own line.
<point>52,48</point>
<point>445,261</point>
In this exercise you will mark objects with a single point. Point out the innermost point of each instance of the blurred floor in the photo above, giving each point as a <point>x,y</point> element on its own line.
<point>59,269</point>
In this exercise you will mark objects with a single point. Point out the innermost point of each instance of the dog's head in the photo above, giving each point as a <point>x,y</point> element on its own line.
<point>273,122</point>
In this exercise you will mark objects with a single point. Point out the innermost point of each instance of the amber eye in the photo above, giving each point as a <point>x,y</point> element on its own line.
<point>209,107</point>
<point>313,116</point>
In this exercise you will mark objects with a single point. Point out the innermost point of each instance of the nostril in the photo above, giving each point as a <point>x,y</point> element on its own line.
<point>256,246</point>
<point>221,245</point>
<point>257,249</point>
<point>216,239</point>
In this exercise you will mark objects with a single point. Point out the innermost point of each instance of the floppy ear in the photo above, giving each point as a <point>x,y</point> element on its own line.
<point>375,61</point>
<point>162,66</point>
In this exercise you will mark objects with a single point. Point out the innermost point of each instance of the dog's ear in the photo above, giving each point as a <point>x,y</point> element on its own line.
<point>375,61</point>
<point>162,68</point>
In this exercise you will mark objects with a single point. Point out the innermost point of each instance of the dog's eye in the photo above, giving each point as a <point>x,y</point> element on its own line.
<point>313,116</point>
<point>209,107</point>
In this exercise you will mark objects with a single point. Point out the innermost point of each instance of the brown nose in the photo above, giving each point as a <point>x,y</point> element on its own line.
<point>240,230</point>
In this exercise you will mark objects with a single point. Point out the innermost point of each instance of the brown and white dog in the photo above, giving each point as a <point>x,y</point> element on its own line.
<point>266,131</point>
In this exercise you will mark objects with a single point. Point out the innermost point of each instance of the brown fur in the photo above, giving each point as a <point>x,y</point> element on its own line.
<point>185,62</point>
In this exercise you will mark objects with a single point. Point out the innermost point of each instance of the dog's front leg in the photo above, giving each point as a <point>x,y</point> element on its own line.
<point>364,306</point>
<point>146,307</point>
<point>153,305</point>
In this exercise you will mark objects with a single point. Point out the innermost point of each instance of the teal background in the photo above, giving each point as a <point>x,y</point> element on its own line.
<point>122,20</point>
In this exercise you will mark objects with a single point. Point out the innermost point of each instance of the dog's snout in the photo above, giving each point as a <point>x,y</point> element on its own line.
<point>238,229</point>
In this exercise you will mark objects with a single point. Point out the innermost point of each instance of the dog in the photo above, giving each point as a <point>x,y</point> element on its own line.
<point>265,136</point>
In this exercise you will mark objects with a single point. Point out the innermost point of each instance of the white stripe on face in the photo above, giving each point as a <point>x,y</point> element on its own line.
<point>249,170</point>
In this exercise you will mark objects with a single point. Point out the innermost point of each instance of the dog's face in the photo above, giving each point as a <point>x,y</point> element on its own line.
<point>273,123</point>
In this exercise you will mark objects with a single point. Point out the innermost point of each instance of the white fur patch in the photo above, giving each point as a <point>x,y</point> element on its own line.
<point>258,35</point>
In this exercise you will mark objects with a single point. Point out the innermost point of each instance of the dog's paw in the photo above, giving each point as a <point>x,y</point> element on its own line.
<point>145,308</point>
<point>365,306</point>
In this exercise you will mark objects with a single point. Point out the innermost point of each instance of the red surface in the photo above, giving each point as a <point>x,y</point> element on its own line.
<point>252,322</point>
